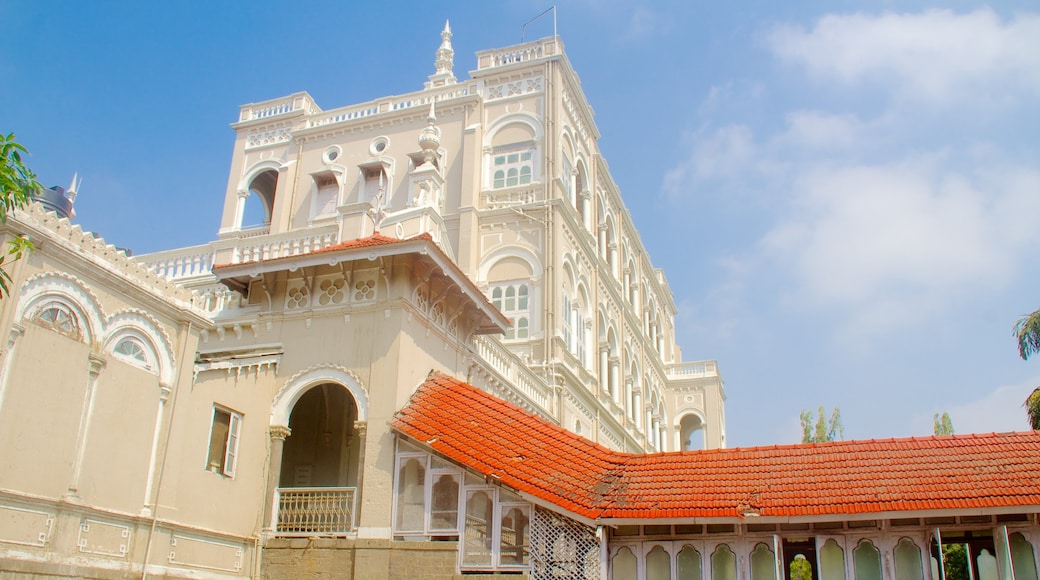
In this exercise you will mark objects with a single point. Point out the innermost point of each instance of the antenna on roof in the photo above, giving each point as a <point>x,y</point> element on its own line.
<point>547,10</point>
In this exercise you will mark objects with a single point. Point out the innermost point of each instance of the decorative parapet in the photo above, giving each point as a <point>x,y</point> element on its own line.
<point>520,53</point>
<point>693,369</point>
<point>269,247</point>
<point>404,102</point>
<point>276,107</point>
<point>107,257</point>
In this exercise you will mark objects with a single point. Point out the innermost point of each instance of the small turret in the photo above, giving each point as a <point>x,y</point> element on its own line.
<point>60,200</point>
<point>445,62</point>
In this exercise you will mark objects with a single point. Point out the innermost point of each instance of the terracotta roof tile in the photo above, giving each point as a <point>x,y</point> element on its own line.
<point>527,453</point>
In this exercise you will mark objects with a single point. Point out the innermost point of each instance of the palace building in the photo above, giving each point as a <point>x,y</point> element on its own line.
<point>428,342</point>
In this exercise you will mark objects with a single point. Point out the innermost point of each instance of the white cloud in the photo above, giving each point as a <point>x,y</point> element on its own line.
<point>810,129</point>
<point>936,56</point>
<point>897,241</point>
<point>718,154</point>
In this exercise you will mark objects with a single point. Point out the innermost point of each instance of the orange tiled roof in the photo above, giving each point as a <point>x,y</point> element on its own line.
<point>375,239</point>
<point>527,453</point>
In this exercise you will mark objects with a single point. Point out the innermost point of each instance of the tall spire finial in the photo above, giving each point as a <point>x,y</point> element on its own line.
<point>445,62</point>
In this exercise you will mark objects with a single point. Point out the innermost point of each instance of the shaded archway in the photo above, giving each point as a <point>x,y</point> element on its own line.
<point>322,449</point>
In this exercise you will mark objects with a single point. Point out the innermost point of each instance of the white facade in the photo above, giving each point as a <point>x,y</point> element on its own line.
<point>504,173</point>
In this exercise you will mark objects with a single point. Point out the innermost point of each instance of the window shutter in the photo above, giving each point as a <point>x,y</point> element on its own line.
<point>231,455</point>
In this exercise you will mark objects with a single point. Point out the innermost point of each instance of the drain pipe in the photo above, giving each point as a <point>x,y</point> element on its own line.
<point>185,334</point>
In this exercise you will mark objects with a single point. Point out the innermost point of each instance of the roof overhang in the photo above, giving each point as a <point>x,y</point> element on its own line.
<point>423,247</point>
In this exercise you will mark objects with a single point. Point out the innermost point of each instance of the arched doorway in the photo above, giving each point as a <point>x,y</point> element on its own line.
<point>320,468</point>
<point>322,450</point>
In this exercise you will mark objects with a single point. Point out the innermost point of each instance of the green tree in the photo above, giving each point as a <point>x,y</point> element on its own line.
<point>18,187</point>
<point>821,429</point>
<point>800,568</point>
<point>955,562</point>
<point>1027,331</point>
<point>942,425</point>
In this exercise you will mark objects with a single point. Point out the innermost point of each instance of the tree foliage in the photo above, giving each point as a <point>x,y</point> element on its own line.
<point>942,424</point>
<point>800,568</point>
<point>1032,406</point>
<point>18,187</point>
<point>1027,331</point>
<point>821,429</point>
<point>955,562</point>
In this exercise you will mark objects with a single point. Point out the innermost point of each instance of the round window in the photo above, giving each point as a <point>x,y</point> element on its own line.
<point>331,154</point>
<point>379,145</point>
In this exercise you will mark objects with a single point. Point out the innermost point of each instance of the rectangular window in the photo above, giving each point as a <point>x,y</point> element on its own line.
<point>512,299</point>
<point>438,500</point>
<point>426,496</point>
<point>513,168</point>
<point>326,196</point>
<point>223,441</point>
<point>497,532</point>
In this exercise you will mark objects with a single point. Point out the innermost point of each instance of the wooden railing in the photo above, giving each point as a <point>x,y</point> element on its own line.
<point>316,511</point>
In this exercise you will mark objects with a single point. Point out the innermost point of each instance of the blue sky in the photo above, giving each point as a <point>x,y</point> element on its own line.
<point>844,195</point>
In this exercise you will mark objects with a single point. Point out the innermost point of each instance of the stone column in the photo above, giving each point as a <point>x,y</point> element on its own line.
<point>240,209</point>
<point>615,377</point>
<point>96,364</point>
<point>16,332</point>
<point>274,473</point>
<point>361,434</point>
<point>164,395</point>
<point>604,370</point>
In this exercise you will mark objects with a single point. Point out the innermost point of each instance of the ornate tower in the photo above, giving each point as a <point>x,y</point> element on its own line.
<point>445,62</point>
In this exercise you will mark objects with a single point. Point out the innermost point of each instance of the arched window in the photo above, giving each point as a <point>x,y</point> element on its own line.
<point>763,563</point>
<point>867,561</point>
<point>1022,557</point>
<point>691,433</point>
<point>59,317</point>
<point>908,561</point>
<point>130,349</point>
<point>259,204</point>
<point>723,564</point>
<point>624,565</point>
<point>688,564</point>
<point>832,561</point>
<point>658,564</point>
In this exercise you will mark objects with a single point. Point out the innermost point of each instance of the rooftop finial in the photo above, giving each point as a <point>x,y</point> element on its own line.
<point>445,62</point>
<point>430,136</point>
<point>74,187</point>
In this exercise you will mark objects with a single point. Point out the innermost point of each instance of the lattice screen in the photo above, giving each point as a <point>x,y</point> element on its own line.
<point>562,548</point>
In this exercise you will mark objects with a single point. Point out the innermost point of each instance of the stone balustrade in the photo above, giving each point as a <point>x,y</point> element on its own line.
<point>515,372</point>
<point>180,263</point>
<point>703,368</point>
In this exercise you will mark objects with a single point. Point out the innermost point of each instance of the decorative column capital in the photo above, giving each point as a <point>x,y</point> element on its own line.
<point>361,428</point>
<point>97,362</point>
<point>279,432</point>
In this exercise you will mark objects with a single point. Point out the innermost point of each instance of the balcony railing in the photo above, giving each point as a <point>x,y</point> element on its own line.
<point>316,511</point>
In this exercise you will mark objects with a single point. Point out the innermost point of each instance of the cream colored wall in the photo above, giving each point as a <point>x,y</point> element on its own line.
<point>87,430</point>
<point>39,419</point>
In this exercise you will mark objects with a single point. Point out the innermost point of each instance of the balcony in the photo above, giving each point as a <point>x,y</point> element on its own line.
<point>315,511</point>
